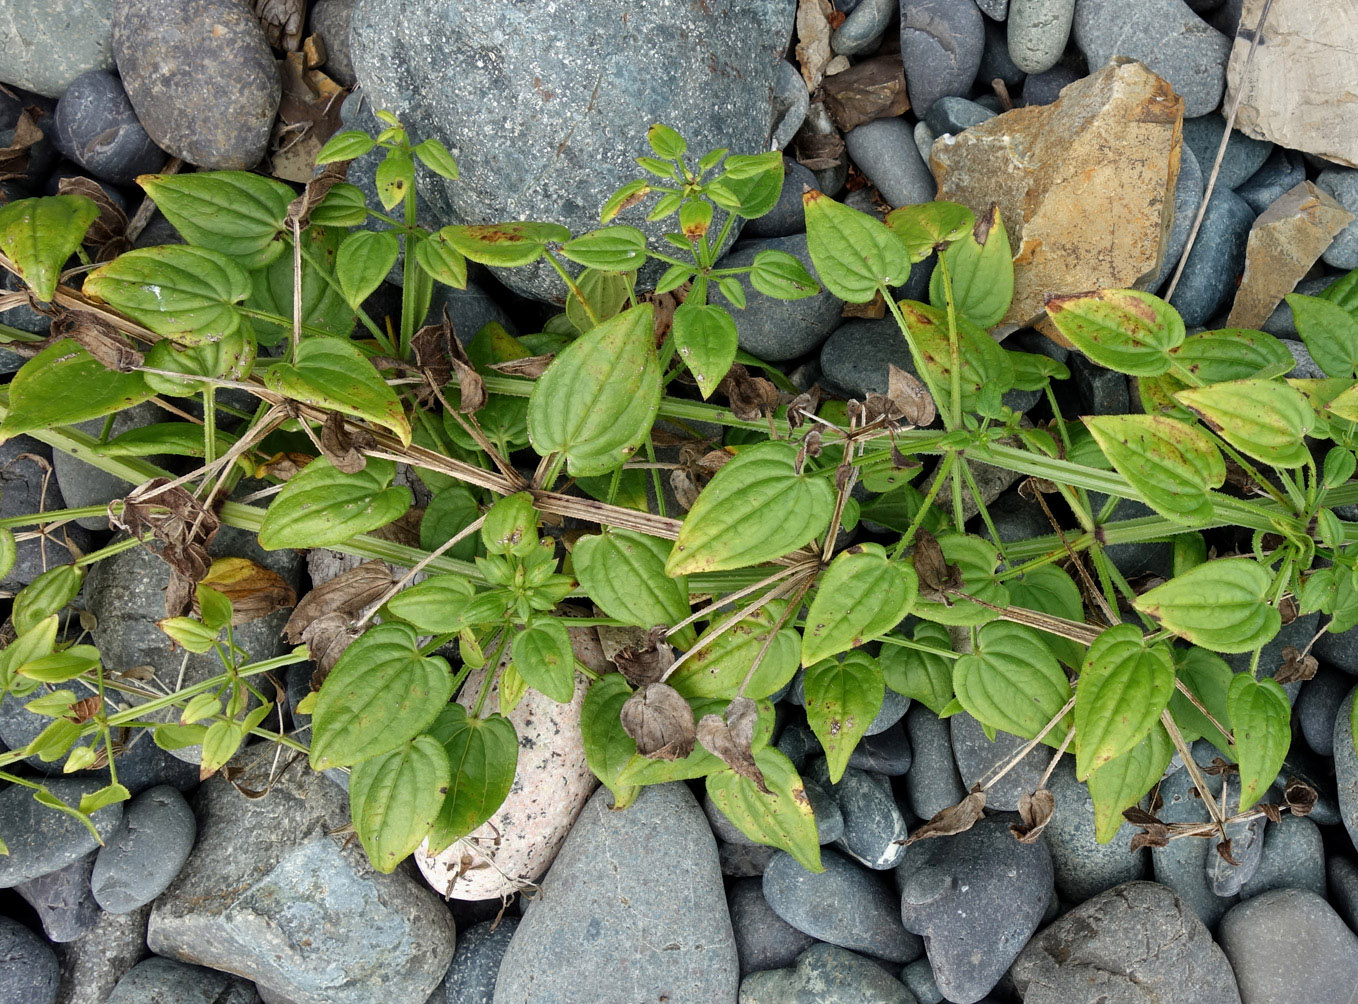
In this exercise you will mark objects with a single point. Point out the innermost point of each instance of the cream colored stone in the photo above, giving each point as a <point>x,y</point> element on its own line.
<point>514,848</point>
<point>1085,185</point>
<point>1284,243</point>
<point>1301,89</point>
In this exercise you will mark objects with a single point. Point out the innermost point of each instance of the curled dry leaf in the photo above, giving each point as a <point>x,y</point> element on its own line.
<point>910,396</point>
<point>813,40</point>
<point>731,737</point>
<point>346,594</point>
<point>531,367</point>
<point>802,405</point>
<point>685,491</point>
<point>83,710</point>
<point>1300,797</point>
<point>108,233</point>
<point>660,721</point>
<point>1036,812</point>
<point>937,578</point>
<point>254,591</point>
<point>343,446</point>
<point>431,360</point>
<point>441,338</point>
<point>1296,667</point>
<point>283,466</point>
<point>299,210</point>
<point>1224,852</point>
<point>1271,812</point>
<point>181,524</point>
<point>14,156</point>
<point>327,637</point>
<point>645,663</point>
<point>750,397</point>
<point>953,820</point>
<point>1154,832</point>
<point>99,338</point>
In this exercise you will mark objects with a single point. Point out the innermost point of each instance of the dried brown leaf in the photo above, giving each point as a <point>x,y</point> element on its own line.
<point>1155,835</point>
<point>282,21</point>
<point>531,367</point>
<point>99,338</point>
<point>469,382</point>
<point>181,524</point>
<point>1224,852</point>
<point>870,89</point>
<point>685,491</point>
<point>179,595</point>
<point>254,591</point>
<point>813,40</point>
<point>327,637</point>
<point>317,188</point>
<point>953,820</point>
<point>14,157</point>
<point>1036,812</point>
<point>645,663</point>
<point>1270,811</point>
<point>910,396</point>
<point>108,233</point>
<point>660,721</point>
<point>428,345</point>
<point>750,397</point>
<point>308,115</point>
<point>1300,797</point>
<point>283,466</point>
<point>937,578</point>
<point>85,709</point>
<point>731,737</point>
<point>343,446</point>
<point>802,405</point>
<point>872,310</point>
<point>346,594</point>
<point>1296,667</point>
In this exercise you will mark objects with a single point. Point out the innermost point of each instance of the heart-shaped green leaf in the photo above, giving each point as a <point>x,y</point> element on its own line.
<point>986,368</point>
<point>542,655</point>
<point>706,339</point>
<point>1261,718</point>
<point>63,384</point>
<point>237,213</point>
<point>1120,783</point>
<point>608,749</point>
<point>930,225</point>
<point>395,798</point>
<point>981,268</point>
<point>1124,685</point>
<point>1171,464</point>
<point>1221,605</point>
<point>624,573</point>
<point>185,293</point>
<point>614,249</point>
<point>860,597</point>
<point>364,259</point>
<point>855,255</point>
<point>322,506</point>
<point>1329,331</point>
<point>435,605</point>
<point>38,235</point>
<point>842,699</point>
<point>1123,329</point>
<point>918,674</point>
<point>1012,682</point>
<point>720,664</point>
<point>483,754</point>
<point>780,819</point>
<point>1265,419</point>
<point>332,373</point>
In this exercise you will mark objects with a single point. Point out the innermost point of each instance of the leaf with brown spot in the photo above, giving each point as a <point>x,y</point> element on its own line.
<point>660,721</point>
<point>953,820</point>
<point>179,522</point>
<point>1296,667</point>
<point>1300,797</point>
<point>731,737</point>
<point>254,591</point>
<point>346,594</point>
<point>343,446</point>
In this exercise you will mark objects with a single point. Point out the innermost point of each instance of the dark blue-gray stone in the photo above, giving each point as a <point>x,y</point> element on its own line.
<point>1183,864</point>
<point>165,981</point>
<point>146,852</point>
<point>330,20</point>
<point>1280,323</point>
<point>26,487</point>
<point>886,152</point>
<point>977,757</point>
<point>93,963</point>
<point>173,56</point>
<point>1167,36</point>
<point>953,114</point>
<point>1243,157</point>
<point>1342,874</point>
<point>874,829</point>
<point>1306,367</point>
<point>941,45</point>
<point>1283,171</point>
<point>825,974</point>
<point>798,743</point>
<point>271,894</point>
<point>1318,704</point>
<point>1294,858</point>
<point>787,217</point>
<point>894,707</point>
<point>829,817</point>
<point>924,141</point>
<point>863,28</point>
<point>1137,558</point>
<point>764,940</point>
<point>1187,198</point>
<point>1102,391</point>
<point>1297,634</point>
<point>996,63</point>
<point>976,898</point>
<point>45,44</point>
<point>791,102</point>
<point>1216,259</point>
<point>632,909</point>
<point>42,840</point>
<point>1084,867</point>
<point>855,359</point>
<point>995,9</point>
<point>1015,518</point>
<point>62,900</point>
<point>1315,771</point>
<point>1137,942</point>
<point>28,970</point>
<point>1289,945</point>
<point>933,783</point>
<point>20,316</point>
<point>1342,183</point>
<point>778,330</point>
<point>96,127</point>
<point>1038,32</point>
<point>1345,768</point>
<point>470,310</point>
<point>83,484</point>
<point>744,861</point>
<point>575,87</point>
<point>476,963</point>
<point>845,905</point>
<point>1339,649</point>
<point>888,752</point>
<point>1045,87</point>
<point>918,978</point>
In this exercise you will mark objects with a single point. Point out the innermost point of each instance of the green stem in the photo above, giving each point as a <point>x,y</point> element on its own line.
<point>908,537</point>
<point>359,312</point>
<point>575,289</point>
<point>954,350</point>
<point>209,425</point>
<point>408,278</point>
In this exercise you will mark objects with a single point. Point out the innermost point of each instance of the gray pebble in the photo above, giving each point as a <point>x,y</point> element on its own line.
<point>953,114</point>
<point>763,939</point>
<point>829,816</point>
<point>165,981</point>
<point>887,752</point>
<point>26,487</point>
<point>933,783</point>
<point>1182,864</point>
<point>791,102</point>
<point>1318,704</point>
<point>1243,157</point>
<point>787,217</point>
<point>941,45</point>
<point>1345,768</point>
<point>1343,885</point>
<point>93,963</point>
<point>741,861</point>
<point>778,330</point>
<point>924,140</point>
<point>1216,259</point>
<point>978,757</point>
<point>1187,198</point>
<point>1342,183</point>
<point>1082,866</point>
<point>1283,171</point>
<point>874,830</point>
<point>146,852</point>
<point>330,20</point>
<point>996,61</point>
<point>40,839</point>
<point>1045,87</point>
<point>62,900</point>
<point>1038,31</point>
<point>1280,323</point>
<point>885,151</point>
<point>1294,858</point>
<point>96,127</point>
<point>856,356</point>
<point>476,963</point>
<point>28,969</point>
<point>862,29</point>
<point>918,978</point>
<point>825,974</point>
<point>45,44</point>
<point>1289,945</point>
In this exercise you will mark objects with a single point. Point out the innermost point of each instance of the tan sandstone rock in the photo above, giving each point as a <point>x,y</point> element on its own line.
<point>515,846</point>
<point>1301,90</point>
<point>1085,185</point>
<point>1284,243</point>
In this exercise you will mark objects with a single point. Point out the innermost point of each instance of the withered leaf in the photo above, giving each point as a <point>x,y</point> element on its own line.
<point>1270,811</point>
<point>327,637</point>
<point>299,210</point>
<point>813,40</point>
<point>179,595</point>
<point>108,233</point>
<point>1036,812</point>
<point>870,89</point>
<point>346,594</point>
<point>181,524</point>
<point>469,382</point>
<point>1138,816</point>
<point>1224,852</point>
<point>937,578</point>
<point>1155,835</point>
<point>431,360</point>
<point>1296,667</point>
<point>731,737</point>
<point>750,396</point>
<point>685,491</point>
<point>531,367</point>
<point>873,310</point>
<point>283,466</point>
<point>953,820</point>
<point>308,115</point>
<point>910,396</point>
<point>343,446</point>
<point>99,338</point>
<point>817,151</point>
<point>802,405</point>
<point>646,663</point>
<point>254,591</point>
<point>281,21</point>
<point>1300,797</point>
<point>660,721</point>
<point>14,156</point>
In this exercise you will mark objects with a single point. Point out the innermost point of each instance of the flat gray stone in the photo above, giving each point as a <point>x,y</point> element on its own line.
<point>764,940</point>
<point>932,783</point>
<point>330,20</point>
<point>887,752</point>
<point>632,909</point>
<point>28,969</point>
<point>826,974</point>
<point>778,330</point>
<point>1243,157</point>
<point>1294,858</point>
<point>62,900</point>
<point>1283,171</point>
<point>787,217</point>
<point>45,44</point>
<point>165,981</point>
<point>886,152</point>
<point>1289,945</point>
<point>1084,867</point>
<point>1342,874</point>
<point>146,852</point>
<point>1182,864</point>
<point>1216,260</point>
<point>862,29</point>
<point>1318,705</point>
<point>42,840</point>
<point>941,46</point>
<point>93,963</point>
<point>26,486</point>
<point>856,358</point>
<point>1045,87</point>
<point>96,127</point>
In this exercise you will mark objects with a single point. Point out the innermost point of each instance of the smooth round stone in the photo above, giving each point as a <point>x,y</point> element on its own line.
<point>1015,518</point>
<point>855,359</point>
<point>1289,945</point>
<point>874,829</point>
<point>29,973</point>
<point>863,28</point>
<point>924,141</point>
<point>829,816</point>
<point>918,978</point>
<point>976,898</point>
<point>1338,649</point>
<point>885,151</point>
<point>1283,171</point>
<point>1281,324</point>
<point>96,127</point>
<point>476,963</point>
<point>1243,157</point>
<point>778,330</point>
<point>1038,32</point>
<point>1084,867</point>
<point>1345,769</point>
<point>62,900</point>
<point>978,757</point>
<point>764,940</point>
<point>1182,864</point>
<point>894,707</point>
<point>174,55</point>
<point>941,45</point>
<point>1343,885</point>
<point>1045,87</point>
<point>1294,858</point>
<point>1315,771</point>
<point>165,981</point>
<point>330,20</point>
<point>787,217</point>
<point>825,974</point>
<point>1187,198</point>
<point>953,114</point>
<point>791,102</point>
<point>1298,632</point>
<point>42,840</point>
<point>845,905</point>
<point>1216,259</point>
<point>888,752</point>
<point>1167,36</point>
<point>997,10</point>
<point>1141,558</point>
<point>996,63</point>
<point>798,743</point>
<point>1318,704</point>
<point>1342,183</point>
<point>145,853</point>
<point>932,783</point>
<point>741,861</point>
<point>45,44</point>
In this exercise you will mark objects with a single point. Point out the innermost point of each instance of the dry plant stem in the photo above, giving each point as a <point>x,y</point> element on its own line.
<point>296,286</point>
<point>1193,700</point>
<point>1221,152</point>
<point>794,605</point>
<point>1014,760</point>
<point>148,206</point>
<point>1081,634</point>
<point>782,573</point>
<point>1110,616</point>
<point>473,429</point>
<point>1191,766</point>
<point>1056,758</point>
<point>418,567</point>
<point>777,591</point>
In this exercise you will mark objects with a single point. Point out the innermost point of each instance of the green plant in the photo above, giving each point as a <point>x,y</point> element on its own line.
<point>1043,638</point>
